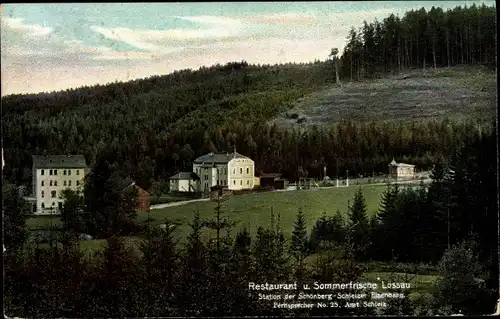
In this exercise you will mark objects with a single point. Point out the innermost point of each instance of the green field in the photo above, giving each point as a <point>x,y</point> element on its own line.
<point>254,210</point>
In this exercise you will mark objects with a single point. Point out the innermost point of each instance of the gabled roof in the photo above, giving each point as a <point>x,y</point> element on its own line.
<point>393,163</point>
<point>218,158</point>
<point>404,165</point>
<point>185,176</point>
<point>270,175</point>
<point>59,161</point>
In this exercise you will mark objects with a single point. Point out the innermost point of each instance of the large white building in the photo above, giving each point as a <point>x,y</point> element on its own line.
<point>51,175</point>
<point>229,170</point>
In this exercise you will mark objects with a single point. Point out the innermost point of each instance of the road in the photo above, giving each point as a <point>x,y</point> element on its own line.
<point>180,203</point>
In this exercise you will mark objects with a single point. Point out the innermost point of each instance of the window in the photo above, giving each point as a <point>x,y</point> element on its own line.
<point>241,182</point>
<point>234,182</point>
<point>234,170</point>
<point>54,194</point>
<point>55,183</point>
<point>43,183</point>
<point>53,204</point>
<point>50,183</point>
<point>64,183</point>
<point>43,205</point>
<point>55,172</point>
<point>42,172</point>
<point>43,194</point>
<point>248,182</point>
<point>69,172</point>
<point>241,170</point>
<point>248,170</point>
<point>77,183</point>
<point>217,171</point>
<point>64,172</point>
<point>69,183</point>
<point>77,172</point>
<point>50,172</point>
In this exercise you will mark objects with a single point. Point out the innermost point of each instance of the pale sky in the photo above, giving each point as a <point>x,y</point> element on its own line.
<point>48,47</point>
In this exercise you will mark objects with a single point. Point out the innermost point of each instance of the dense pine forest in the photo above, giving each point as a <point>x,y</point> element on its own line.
<point>149,129</point>
<point>421,39</point>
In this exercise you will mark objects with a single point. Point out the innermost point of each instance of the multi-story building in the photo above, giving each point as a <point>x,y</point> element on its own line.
<point>53,174</point>
<point>229,170</point>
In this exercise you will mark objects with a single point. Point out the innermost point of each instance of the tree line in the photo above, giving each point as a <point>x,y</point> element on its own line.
<point>450,224</point>
<point>420,39</point>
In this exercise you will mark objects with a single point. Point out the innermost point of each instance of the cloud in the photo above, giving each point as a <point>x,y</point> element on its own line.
<point>212,20</point>
<point>284,18</point>
<point>29,29</point>
<point>158,40</point>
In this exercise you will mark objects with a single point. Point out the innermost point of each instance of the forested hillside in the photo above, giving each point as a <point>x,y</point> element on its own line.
<point>155,127</point>
<point>420,39</point>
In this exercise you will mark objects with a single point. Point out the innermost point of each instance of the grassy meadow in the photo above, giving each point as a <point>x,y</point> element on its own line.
<point>254,210</point>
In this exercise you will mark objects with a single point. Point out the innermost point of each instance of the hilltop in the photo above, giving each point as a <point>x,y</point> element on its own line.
<point>462,91</point>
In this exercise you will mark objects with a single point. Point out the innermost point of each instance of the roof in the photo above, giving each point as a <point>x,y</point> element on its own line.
<point>404,165</point>
<point>185,176</point>
<point>270,175</point>
<point>59,161</point>
<point>218,158</point>
<point>142,189</point>
<point>393,163</point>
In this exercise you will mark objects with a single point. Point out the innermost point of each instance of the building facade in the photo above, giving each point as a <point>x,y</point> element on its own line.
<point>144,204</point>
<point>53,174</point>
<point>229,170</point>
<point>401,171</point>
<point>184,182</point>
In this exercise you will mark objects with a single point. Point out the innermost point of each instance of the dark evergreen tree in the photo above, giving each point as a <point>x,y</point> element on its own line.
<point>195,274</point>
<point>299,242</point>
<point>359,225</point>
<point>111,201</point>
<point>15,213</point>
<point>72,213</point>
<point>160,265</point>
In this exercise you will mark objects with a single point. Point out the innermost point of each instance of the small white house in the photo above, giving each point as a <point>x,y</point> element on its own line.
<point>185,182</point>
<point>401,171</point>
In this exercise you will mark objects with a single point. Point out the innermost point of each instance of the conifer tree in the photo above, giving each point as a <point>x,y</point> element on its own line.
<point>298,244</point>
<point>160,265</point>
<point>359,225</point>
<point>195,276</point>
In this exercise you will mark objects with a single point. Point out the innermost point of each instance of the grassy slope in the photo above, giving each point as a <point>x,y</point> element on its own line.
<point>459,92</point>
<point>254,210</point>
